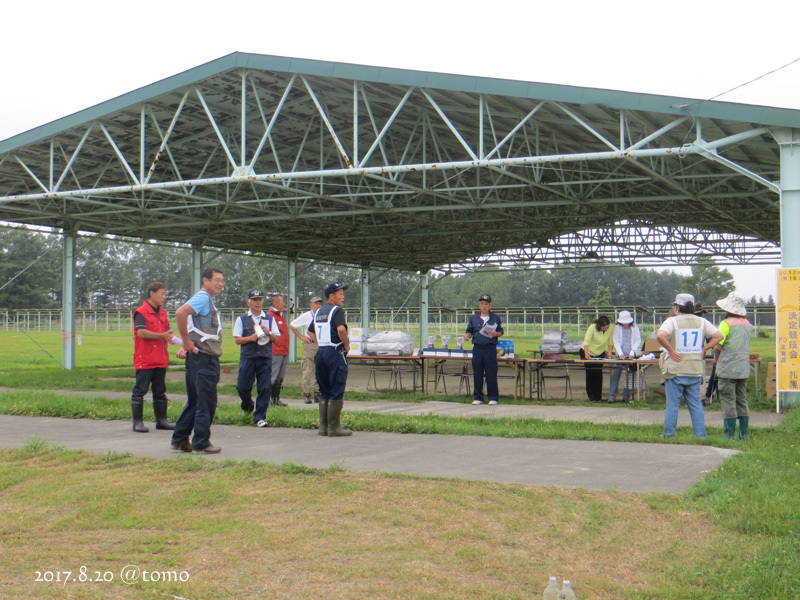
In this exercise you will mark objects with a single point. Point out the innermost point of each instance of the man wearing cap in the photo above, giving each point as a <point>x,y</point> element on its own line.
<point>627,342</point>
<point>329,331</point>
<point>683,338</point>
<point>151,334</point>
<point>280,348</point>
<point>255,332</point>
<point>484,328</point>
<point>299,327</point>
<point>201,330</point>
<point>732,357</point>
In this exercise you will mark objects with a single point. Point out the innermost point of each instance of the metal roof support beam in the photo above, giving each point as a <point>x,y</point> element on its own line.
<point>328,124</point>
<point>655,135</point>
<point>269,125</point>
<point>165,138</point>
<point>424,287</point>
<point>389,122</point>
<point>119,154</point>
<point>450,125</point>
<point>31,173</point>
<point>586,126</point>
<point>292,309</point>
<point>513,132</point>
<point>74,156</point>
<point>213,122</point>
<point>712,155</point>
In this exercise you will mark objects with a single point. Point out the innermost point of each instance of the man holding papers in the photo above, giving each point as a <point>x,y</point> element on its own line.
<point>484,328</point>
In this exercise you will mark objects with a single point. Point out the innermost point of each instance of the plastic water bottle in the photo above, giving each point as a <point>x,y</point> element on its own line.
<point>566,592</point>
<point>551,591</point>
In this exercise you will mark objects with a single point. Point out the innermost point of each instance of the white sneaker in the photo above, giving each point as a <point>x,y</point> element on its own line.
<point>477,402</point>
<point>262,423</point>
<point>492,402</point>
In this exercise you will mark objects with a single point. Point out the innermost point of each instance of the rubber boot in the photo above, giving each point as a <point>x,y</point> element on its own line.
<point>323,417</point>
<point>729,428</point>
<point>278,402</point>
<point>306,398</point>
<point>316,396</point>
<point>334,418</point>
<point>160,411</point>
<point>744,423</point>
<point>136,410</point>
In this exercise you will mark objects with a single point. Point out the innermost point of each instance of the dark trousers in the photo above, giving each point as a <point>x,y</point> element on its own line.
<point>202,376</point>
<point>594,378</point>
<point>147,377</point>
<point>484,365</point>
<point>331,368</point>
<point>257,369</point>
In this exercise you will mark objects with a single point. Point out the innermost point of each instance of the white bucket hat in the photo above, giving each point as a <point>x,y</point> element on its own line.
<point>624,317</point>
<point>733,304</point>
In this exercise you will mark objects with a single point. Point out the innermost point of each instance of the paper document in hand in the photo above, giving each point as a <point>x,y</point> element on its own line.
<point>488,329</point>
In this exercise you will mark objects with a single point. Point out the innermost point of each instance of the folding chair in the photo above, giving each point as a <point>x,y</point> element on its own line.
<point>556,371</point>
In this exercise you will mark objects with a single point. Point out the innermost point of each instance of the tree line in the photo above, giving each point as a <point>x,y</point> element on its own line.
<point>114,274</point>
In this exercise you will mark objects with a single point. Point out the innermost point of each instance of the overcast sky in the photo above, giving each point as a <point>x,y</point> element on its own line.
<point>61,58</point>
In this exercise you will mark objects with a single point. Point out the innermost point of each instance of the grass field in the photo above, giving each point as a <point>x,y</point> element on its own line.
<point>250,530</point>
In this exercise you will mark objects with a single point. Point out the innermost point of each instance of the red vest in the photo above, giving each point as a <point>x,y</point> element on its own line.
<point>151,354</point>
<point>281,347</point>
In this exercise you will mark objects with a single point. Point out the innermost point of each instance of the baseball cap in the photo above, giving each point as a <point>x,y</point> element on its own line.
<point>485,298</point>
<point>684,299</point>
<point>334,287</point>
<point>316,299</point>
<point>255,293</point>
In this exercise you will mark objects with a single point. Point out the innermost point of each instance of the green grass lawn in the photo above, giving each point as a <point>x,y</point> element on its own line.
<point>249,530</point>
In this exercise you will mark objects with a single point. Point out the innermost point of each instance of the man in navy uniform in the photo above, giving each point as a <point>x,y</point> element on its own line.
<point>329,331</point>
<point>484,328</point>
<point>255,356</point>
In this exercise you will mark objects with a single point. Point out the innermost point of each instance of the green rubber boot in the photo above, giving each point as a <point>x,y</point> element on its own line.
<point>323,417</point>
<point>729,427</point>
<point>744,423</point>
<point>334,417</point>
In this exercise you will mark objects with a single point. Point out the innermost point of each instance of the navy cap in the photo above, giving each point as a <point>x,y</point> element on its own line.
<point>485,298</point>
<point>333,288</point>
<point>255,293</point>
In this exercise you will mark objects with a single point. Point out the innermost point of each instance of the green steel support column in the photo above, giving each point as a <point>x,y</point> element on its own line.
<point>789,142</point>
<point>68,302</point>
<point>197,268</point>
<point>366,280</point>
<point>292,310</point>
<point>424,286</point>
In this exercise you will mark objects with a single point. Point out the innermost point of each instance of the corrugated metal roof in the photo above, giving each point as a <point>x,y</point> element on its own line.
<point>405,169</point>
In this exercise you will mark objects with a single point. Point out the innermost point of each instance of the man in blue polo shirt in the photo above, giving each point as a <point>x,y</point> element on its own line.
<point>484,328</point>
<point>201,329</point>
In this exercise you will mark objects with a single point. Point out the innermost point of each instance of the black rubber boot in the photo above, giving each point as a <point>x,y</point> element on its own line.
<point>334,418</point>
<point>136,410</point>
<point>278,402</point>
<point>323,417</point>
<point>160,411</point>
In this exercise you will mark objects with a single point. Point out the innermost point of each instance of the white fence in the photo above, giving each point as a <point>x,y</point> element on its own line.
<point>517,320</point>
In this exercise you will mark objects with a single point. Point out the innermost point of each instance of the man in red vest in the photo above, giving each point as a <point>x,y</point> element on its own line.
<point>151,334</point>
<point>280,348</point>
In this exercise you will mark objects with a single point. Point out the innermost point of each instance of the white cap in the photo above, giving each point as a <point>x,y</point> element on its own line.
<point>684,299</point>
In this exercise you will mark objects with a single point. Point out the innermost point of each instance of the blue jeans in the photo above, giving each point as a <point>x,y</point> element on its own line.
<point>202,375</point>
<point>613,386</point>
<point>689,388</point>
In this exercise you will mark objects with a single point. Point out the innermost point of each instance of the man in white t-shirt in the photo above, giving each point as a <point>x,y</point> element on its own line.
<point>299,327</point>
<point>684,340</point>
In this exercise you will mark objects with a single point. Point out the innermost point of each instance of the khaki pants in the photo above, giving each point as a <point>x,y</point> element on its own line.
<point>309,370</point>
